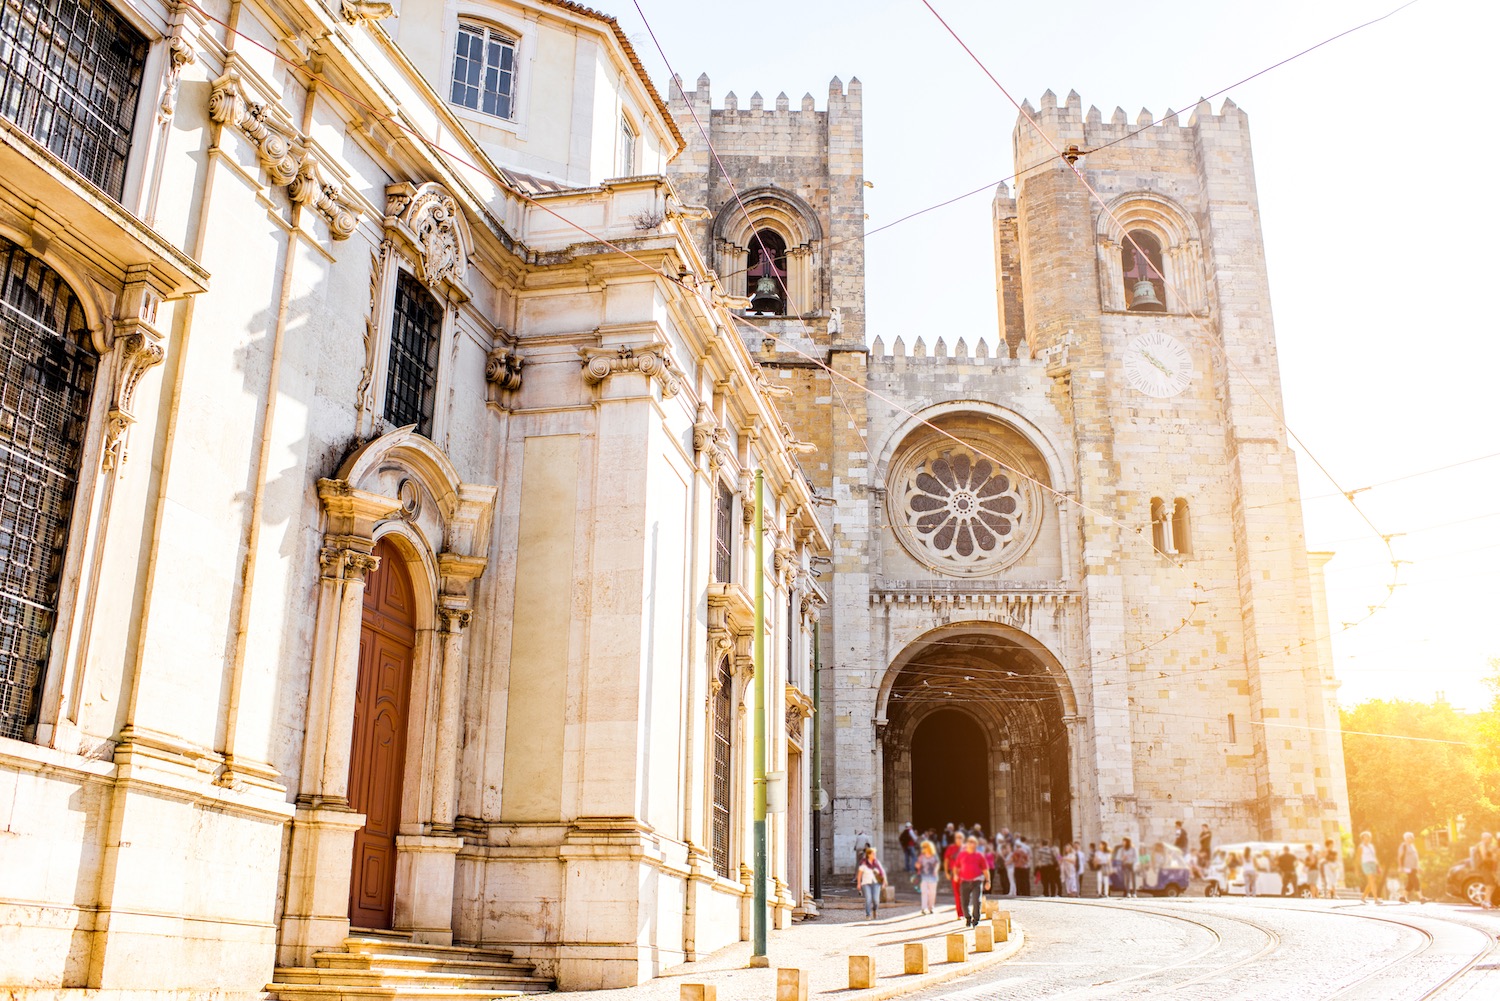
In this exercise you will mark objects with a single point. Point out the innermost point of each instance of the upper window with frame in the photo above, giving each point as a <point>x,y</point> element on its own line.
<point>625,167</point>
<point>411,372</point>
<point>484,70</point>
<point>70,77</point>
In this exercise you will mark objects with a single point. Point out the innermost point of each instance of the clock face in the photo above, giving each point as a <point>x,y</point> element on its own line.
<point>1158,364</point>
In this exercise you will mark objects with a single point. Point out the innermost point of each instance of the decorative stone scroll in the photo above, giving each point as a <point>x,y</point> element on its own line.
<point>502,374</point>
<point>138,347</point>
<point>428,221</point>
<point>283,153</point>
<point>360,11</point>
<point>711,439</point>
<point>650,360</point>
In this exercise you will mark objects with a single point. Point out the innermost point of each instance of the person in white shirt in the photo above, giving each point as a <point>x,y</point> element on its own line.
<point>1369,864</point>
<point>1099,863</point>
<point>1410,864</point>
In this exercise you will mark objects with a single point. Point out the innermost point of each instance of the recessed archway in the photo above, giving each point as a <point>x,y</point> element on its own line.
<point>977,692</point>
<point>950,771</point>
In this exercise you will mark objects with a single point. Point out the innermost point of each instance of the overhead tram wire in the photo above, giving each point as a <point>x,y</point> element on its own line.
<point>1129,135</point>
<point>1070,160</point>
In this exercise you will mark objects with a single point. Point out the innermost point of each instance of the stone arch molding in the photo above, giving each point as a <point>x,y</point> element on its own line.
<point>1059,474</point>
<point>791,218</point>
<point>1039,651</point>
<point>1182,249</point>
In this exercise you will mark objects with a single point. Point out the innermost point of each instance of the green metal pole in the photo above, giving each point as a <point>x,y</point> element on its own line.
<point>758,958</point>
<point>817,770</point>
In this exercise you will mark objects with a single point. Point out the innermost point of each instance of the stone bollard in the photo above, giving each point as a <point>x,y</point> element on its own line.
<point>888,894</point>
<point>984,940</point>
<point>1000,927</point>
<point>861,972</point>
<point>1003,917</point>
<point>698,992</point>
<point>958,948</point>
<point>991,908</point>
<point>916,957</point>
<point>791,985</point>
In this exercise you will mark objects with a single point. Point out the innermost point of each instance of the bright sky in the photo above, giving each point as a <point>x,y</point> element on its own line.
<point>1379,223</point>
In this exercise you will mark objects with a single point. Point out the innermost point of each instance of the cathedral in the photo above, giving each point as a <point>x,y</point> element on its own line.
<point>450,506</point>
<point>1069,591</point>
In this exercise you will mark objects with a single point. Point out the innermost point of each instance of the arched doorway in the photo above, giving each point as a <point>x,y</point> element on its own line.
<point>974,732</point>
<point>950,771</point>
<point>387,641</point>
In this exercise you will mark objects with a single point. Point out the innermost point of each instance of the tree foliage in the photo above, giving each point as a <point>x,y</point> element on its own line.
<point>1450,775</point>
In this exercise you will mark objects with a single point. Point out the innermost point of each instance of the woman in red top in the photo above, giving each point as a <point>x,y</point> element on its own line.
<point>949,854</point>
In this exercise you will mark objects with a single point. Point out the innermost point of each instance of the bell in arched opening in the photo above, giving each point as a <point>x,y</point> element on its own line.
<point>767,297</point>
<point>766,276</point>
<point>1141,264</point>
<point>1143,298</point>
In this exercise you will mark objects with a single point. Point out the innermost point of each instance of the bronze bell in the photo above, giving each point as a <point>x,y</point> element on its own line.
<point>767,297</point>
<point>1143,299</point>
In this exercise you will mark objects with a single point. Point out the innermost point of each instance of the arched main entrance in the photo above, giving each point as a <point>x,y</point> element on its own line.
<point>950,771</point>
<point>974,733</point>
<point>387,641</point>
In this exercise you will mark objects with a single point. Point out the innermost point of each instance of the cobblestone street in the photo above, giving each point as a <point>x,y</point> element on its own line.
<point>1238,949</point>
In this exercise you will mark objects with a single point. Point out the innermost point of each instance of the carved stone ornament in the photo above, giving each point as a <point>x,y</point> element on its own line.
<point>432,226</point>
<point>502,371</point>
<point>282,152</point>
<point>138,347</point>
<point>359,11</point>
<point>364,393</point>
<point>346,564</point>
<point>180,55</point>
<point>747,501</point>
<point>784,563</point>
<point>650,360</point>
<point>711,439</point>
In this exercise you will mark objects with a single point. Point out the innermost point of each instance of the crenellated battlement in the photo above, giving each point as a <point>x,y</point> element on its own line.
<point>842,100</point>
<point>1066,123</point>
<point>940,350</point>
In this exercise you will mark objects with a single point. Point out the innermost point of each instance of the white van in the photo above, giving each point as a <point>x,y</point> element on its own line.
<point>1226,870</point>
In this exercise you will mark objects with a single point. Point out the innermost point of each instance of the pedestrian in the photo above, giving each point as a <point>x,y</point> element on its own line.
<point>1004,845</point>
<point>974,879</point>
<point>1369,864</point>
<point>869,878</point>
<point>1252,872</point>
<point>1069,863</point>
<point>861,842</point>
<point>1332,863</point>
<point>1180,838</point>
<point>928,865</point>
<point>1286,865</point>
<point>1205,846</point>
<point>1020,859</point>
<point>997,868</point>
<point>955,845</point>
<point>1410,864</point>
<point>1100,863</point>
<point>1125,859</point>
<point>908,841</point>
<point>1045,862</point>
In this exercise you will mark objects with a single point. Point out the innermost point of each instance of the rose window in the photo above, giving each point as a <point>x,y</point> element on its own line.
<point>966,511</point>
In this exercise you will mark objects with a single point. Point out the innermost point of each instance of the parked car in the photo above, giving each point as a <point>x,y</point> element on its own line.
<point>1226,871</point>
<point>1465,882</point>
<point>1163,872</point>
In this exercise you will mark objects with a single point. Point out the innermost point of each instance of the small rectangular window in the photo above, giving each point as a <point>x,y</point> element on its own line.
<point>411,374</point>
<point>70,77</point>
<point>484,70</point>
<point>626,166</point>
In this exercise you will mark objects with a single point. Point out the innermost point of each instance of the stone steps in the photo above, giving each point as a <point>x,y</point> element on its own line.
<point>388,966</point>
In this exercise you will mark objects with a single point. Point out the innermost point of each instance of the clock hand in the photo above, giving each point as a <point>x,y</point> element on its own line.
<point>1153,360</point>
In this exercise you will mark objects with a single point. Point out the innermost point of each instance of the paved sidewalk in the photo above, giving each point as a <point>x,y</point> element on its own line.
<point>822,947</point>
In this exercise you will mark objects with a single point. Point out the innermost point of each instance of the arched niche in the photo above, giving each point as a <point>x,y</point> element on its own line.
<point>788,216</point>
<point>1177,233</point>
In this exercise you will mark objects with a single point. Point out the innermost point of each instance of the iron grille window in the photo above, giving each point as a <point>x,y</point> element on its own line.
<point>723,535</point>
<point>484,70</point>
<point>46,378</point>
<point>411,375</point>
<point>723,775</point>
<point>70,76</point>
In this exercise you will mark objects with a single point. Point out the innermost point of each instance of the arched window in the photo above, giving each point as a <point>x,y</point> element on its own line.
<point>1182,536</point>
<point>484,70</point>
<point>723,774</point>
<point>1142,268</point>
<point>1161,526</point>
<point>47,371</point>
<point>625,166</point>
<point>765,279</point>
<point>411,374</point>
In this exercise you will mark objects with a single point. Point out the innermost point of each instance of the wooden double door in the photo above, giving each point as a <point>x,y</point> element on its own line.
<point>387,642</point>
